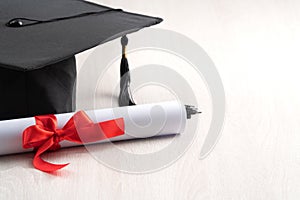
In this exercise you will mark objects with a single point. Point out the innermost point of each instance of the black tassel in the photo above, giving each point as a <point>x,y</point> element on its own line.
<point>125,96</point>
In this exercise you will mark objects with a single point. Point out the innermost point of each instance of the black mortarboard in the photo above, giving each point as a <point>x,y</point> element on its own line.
<point>38,41</point>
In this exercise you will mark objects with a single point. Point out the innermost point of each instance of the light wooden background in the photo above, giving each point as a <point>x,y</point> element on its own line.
<point>255,45</point>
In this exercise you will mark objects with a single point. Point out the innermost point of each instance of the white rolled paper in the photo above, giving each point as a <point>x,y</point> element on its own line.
<point>141,121</point>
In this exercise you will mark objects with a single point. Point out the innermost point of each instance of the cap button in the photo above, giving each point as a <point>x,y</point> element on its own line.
<point>15,23</point>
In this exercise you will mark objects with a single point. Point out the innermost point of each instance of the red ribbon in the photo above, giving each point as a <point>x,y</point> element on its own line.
<point>45,136</point>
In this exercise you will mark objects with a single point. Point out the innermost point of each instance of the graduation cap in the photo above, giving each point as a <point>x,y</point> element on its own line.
<point>38,41</point>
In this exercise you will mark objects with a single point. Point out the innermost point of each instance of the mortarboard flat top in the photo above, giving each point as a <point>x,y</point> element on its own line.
<point>79,25</point>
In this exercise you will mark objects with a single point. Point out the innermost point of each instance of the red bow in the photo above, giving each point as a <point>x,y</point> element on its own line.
<point>45,136</point>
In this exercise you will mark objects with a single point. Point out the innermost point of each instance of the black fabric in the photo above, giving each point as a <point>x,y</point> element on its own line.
<point>48,90</point>
<point>37,63</point>
<point>39,45</point>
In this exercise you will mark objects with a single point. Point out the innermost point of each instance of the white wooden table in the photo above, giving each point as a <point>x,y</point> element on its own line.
<point>255,45</point>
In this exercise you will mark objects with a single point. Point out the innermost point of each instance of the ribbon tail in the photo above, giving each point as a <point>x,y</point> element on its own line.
<point>42,165</point>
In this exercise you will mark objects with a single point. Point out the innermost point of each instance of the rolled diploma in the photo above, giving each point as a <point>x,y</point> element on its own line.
<point>141,121</point>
